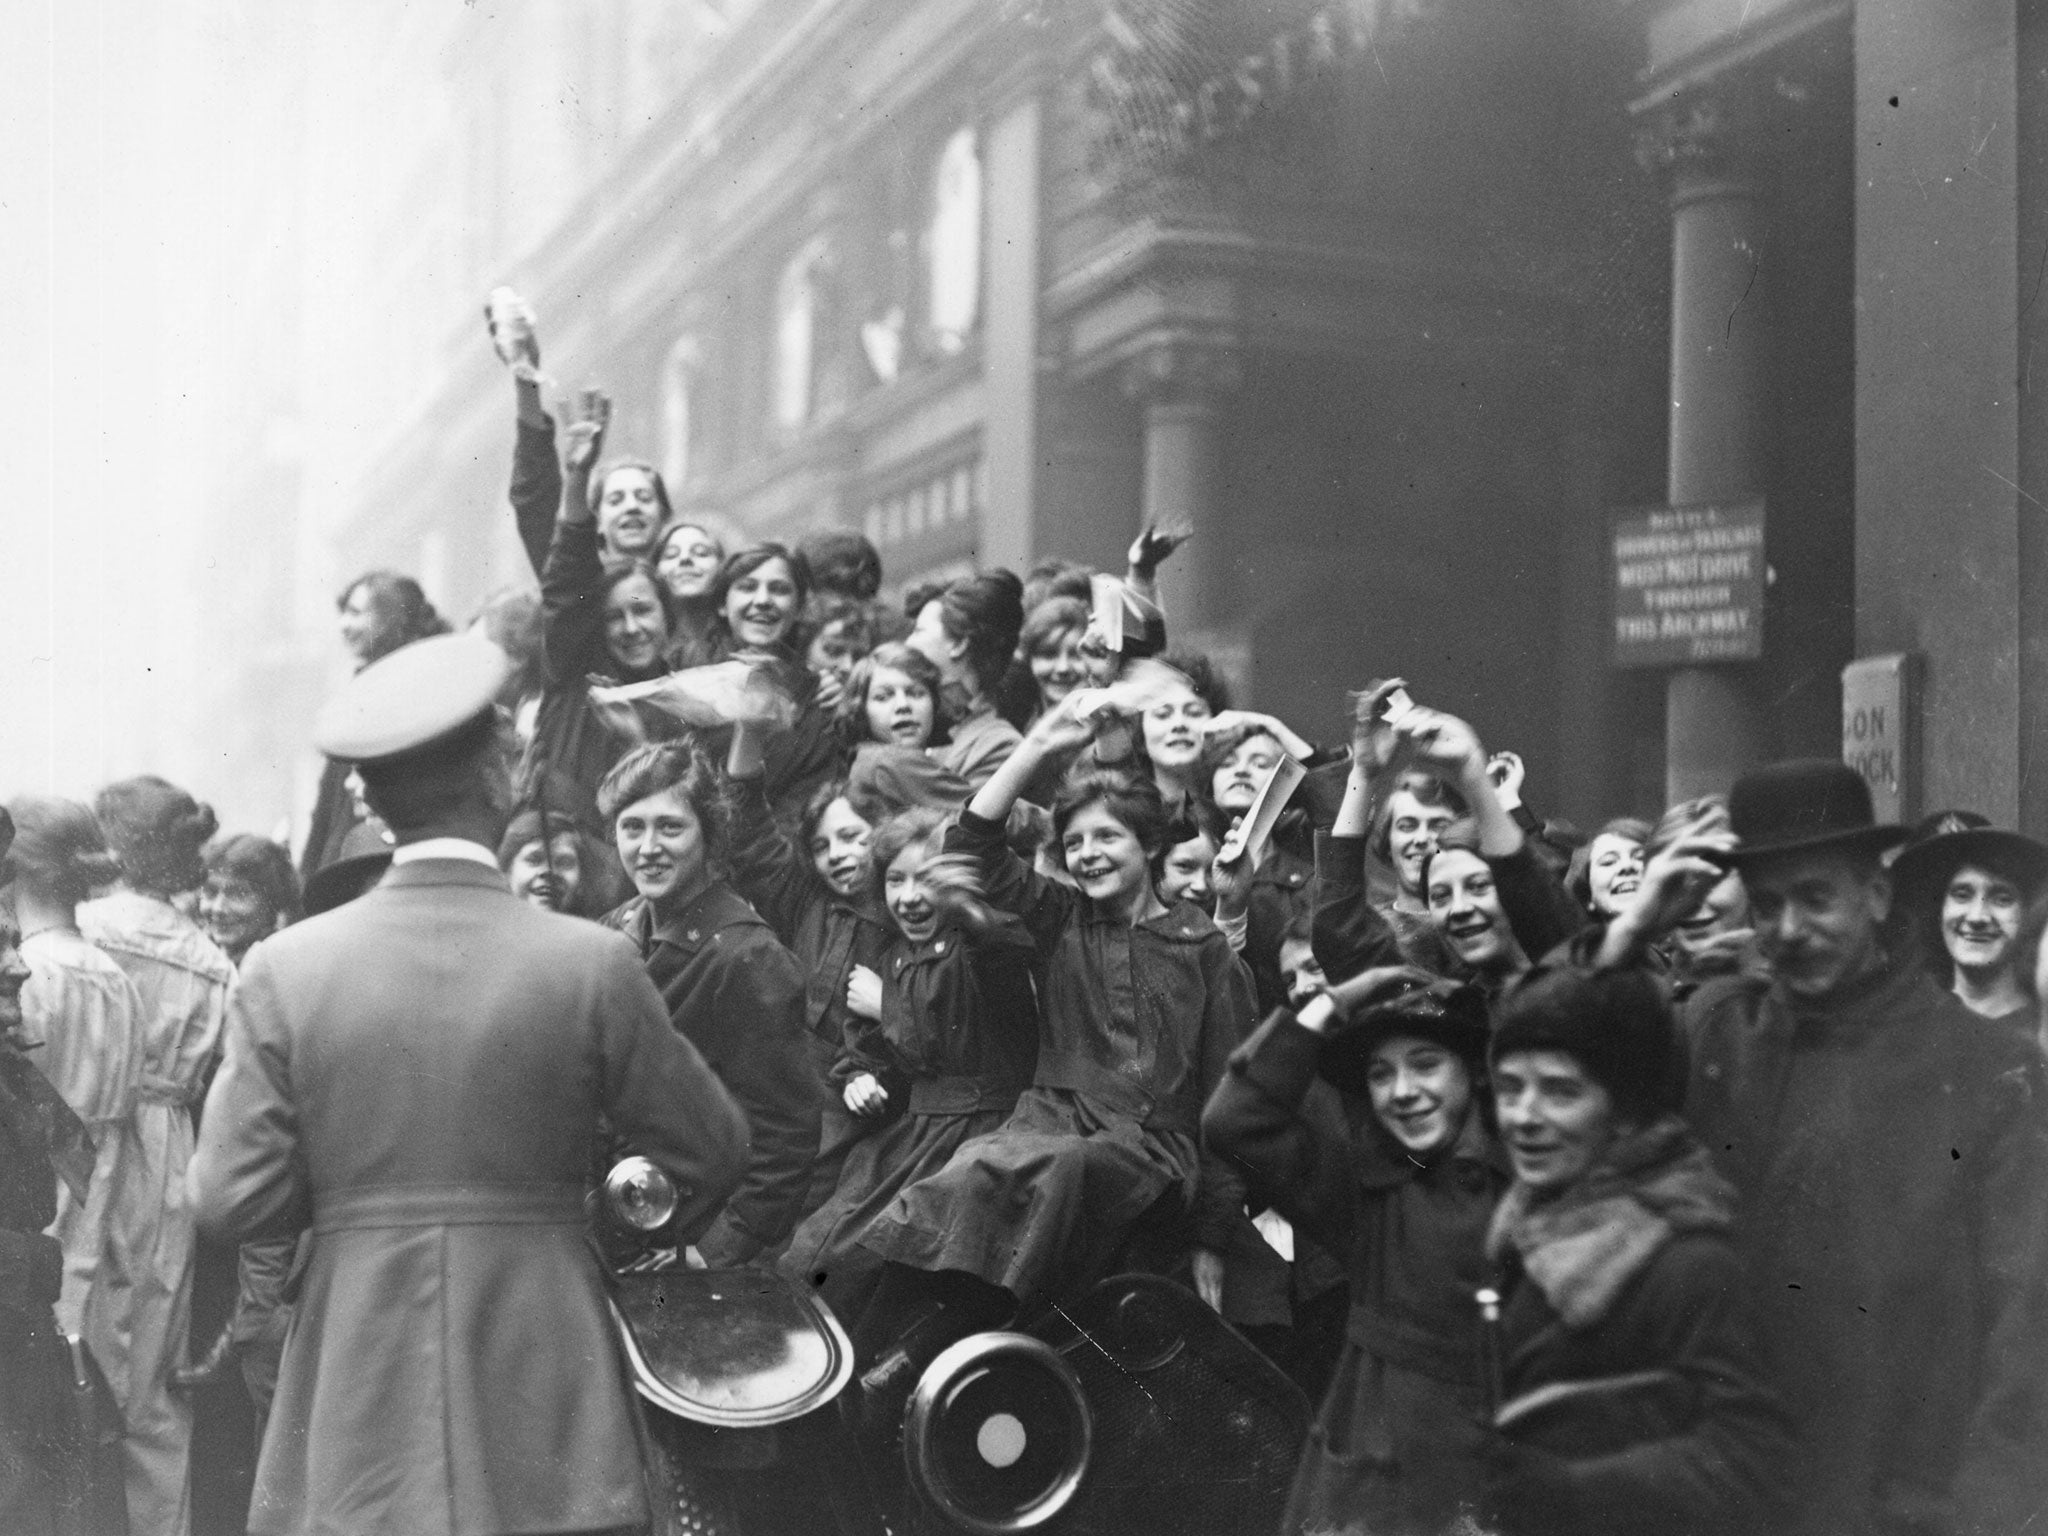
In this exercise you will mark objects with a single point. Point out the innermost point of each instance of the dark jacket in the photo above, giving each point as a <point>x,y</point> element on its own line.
<point>571,747</point>
<point>1281,888</point>
<point>828,933</point>
<point>1892,1149</point>
<point>1637,1271</point>
<point>536,490</point>
<point>34,1382</point>
<point>959,1026</point>
<point>1141,1019</point>
<point>954,1045</point>
<point>1397,1445</point>
<point>736,994</point>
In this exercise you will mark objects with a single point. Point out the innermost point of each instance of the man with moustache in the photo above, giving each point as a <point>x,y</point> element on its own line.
<point>1892,1153</point>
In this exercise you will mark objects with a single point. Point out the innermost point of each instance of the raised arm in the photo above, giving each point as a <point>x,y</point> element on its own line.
<point>572,615</point>
<point>767,867</point>
<point>536,488</point>
<point>1008,884</point>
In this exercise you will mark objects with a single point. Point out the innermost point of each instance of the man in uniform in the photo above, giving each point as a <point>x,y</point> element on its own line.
<point>418,1078</point>
<point>1892,1152</point>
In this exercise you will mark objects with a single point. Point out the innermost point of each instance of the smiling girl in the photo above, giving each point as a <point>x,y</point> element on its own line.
<point>1608,871</point>
<point>947,1034</point>
<point>1141,1005</point>
<point>732,990</point>
<point>687,562</point>
<point>1405,1195</point>
<point>816,890</point>
<point>760,596</point>
<point>609,619</point>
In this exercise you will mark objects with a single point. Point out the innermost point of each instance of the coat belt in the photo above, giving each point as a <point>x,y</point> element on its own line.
<point>960,1095</point>
<point>449,1205</point>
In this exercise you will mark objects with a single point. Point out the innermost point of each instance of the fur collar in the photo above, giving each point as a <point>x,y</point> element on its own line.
<point>1581,1247</point>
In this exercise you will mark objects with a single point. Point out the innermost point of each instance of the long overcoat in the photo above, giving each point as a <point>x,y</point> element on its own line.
<point>418,1076</point>
<point>1136,1026</point>
<point>1891,1148</point>
<point>1397,1445</point>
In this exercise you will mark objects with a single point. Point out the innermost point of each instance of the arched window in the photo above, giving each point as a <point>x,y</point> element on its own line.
<point>796,320</point>
<point>678,373</point>
<point>953,244</point>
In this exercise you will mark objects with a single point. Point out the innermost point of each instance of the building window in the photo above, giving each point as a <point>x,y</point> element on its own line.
<point>796,327</point>
<point>953,244</point>
<point>678,371</point>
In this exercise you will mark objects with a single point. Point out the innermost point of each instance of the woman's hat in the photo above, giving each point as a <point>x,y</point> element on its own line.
<point>358,864</point>
<point>1802,805</point>
<point>1616,1024</point>
<point>1448,1013</point>
<point>1946,841</point>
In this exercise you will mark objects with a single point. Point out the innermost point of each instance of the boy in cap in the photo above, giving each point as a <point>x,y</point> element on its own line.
<point>418,1076</point>
<point>1892,1155</point>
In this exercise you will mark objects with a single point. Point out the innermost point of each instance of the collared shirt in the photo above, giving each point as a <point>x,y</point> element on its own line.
<point>444,848</point>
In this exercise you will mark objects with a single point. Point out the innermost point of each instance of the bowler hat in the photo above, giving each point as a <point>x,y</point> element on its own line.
<point>1944,842</point>
<point>1804,805</point>
<point>1450,1014</point>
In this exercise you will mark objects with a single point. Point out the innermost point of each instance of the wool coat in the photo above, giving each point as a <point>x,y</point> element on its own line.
<point>956,1042</point>
<point>1397,1446</point>
<point>1892,1151</point>
<point>1136,1026</point>
<point>419,1078</point>
<point>1643,1276</point>
<point>736,994</point>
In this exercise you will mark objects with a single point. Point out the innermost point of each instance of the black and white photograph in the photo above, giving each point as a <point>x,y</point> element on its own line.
<point>975,767</point>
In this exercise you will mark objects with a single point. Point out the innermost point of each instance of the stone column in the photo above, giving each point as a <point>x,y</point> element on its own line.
<point>1184,388</point>
<point>1713,724</point>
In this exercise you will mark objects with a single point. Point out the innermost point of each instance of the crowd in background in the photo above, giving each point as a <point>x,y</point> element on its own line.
<point>976,900</point>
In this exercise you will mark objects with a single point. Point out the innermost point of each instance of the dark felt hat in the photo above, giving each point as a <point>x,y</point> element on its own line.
<point>1449,1013</point>
<point>358,864</point>
<point>1618,1025</point>
<point>1944,842</point>
<point>1804,805</point>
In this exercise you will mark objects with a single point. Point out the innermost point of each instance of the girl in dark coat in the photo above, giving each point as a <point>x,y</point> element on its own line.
<point>1623,1288</point>
<point>760,597</point>
<point>598,618</point>
<point>1140,1007</point>
<point>946,1041</point>
<point>1370,1137</point>
<point>732,990</point>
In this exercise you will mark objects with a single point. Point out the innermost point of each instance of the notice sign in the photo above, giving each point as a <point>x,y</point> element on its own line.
<point>1881,731</point>
<point>1689,585</point>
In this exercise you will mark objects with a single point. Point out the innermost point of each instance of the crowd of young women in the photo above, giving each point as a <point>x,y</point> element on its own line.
<point>975,901</point>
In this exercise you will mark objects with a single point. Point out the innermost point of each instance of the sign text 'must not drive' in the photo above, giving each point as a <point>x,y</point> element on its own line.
<point>1689,585</point>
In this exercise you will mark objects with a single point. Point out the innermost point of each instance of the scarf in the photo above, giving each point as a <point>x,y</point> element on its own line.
<point>1584,1244</point>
